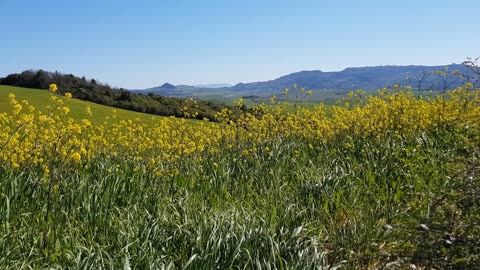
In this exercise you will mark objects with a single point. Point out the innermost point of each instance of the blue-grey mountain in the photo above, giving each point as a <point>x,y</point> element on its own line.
<point>367,78</point>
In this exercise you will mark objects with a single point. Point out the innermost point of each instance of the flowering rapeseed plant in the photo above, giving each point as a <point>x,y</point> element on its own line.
<point>53,88</point>
<point>30,137</point>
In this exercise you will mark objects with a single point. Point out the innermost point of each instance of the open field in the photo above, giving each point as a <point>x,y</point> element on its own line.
<point>327,96</point>
<point>376,181</point>
<point>41,98</point>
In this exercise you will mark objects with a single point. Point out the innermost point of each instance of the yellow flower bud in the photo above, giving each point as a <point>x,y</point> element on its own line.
<point>53,88</point>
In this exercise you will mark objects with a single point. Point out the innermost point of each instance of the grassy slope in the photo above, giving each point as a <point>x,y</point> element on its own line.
<point>40,99</point>
<point>225,209</point>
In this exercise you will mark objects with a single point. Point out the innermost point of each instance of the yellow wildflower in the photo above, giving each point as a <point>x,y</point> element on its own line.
<point>53,88</point>
<point>76,156</point>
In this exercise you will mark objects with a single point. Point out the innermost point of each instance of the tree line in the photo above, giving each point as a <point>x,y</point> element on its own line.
<point>91,90</point>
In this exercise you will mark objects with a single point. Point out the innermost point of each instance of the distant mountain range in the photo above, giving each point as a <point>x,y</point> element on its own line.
<point>367,78</point>
<point>215,85</point>
<point>354,78</point>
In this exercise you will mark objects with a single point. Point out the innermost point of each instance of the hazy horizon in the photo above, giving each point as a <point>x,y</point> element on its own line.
<point>141,45</point>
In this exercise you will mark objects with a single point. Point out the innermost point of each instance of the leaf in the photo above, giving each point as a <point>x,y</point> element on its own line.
<point>126,263</point>
<point>297,231</point>
<point>459,260</point>
<point>189,261</point>
<point>232,256</point>
<point>280,261</point>
<point>57,246</point>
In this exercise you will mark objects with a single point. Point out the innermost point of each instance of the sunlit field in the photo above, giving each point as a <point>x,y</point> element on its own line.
<point>40,99</point>
<point>373,181</point>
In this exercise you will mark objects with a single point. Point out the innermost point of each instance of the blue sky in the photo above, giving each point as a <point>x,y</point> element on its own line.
<point>139,44</point>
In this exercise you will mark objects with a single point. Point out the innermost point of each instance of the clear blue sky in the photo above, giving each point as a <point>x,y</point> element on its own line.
<point>139,44</point>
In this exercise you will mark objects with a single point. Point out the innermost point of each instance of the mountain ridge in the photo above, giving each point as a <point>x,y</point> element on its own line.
<point>371,77</point>
<point>350,78</point>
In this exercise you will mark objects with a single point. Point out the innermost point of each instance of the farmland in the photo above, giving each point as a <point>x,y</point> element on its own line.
<point>369,182</point>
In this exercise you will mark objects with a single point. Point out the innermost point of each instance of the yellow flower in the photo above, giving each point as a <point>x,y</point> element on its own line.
<point>239,102</point>
<point>76,156</point>
<point>53,88</point>
<point>68,95</point>
<point>65,110</point>
<point>88,111</point>
<point>272,99</point>
<point>16,109</point>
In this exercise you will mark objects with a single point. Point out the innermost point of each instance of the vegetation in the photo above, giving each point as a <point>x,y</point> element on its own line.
<point>91,90</point>
<point>385,180</point>
<point>78,108</point>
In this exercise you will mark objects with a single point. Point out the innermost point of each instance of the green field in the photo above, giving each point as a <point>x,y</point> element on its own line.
<point>100,113</point>
<point>40,100</point>
<point>326,96</point>
<point>392,184</point>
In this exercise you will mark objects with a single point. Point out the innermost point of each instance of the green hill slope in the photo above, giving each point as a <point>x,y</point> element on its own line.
<point>40,99</point>
<point>100,93</point>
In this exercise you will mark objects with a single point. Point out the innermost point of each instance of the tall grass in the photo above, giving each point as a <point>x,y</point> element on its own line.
<point>388,188</point>
<point>301,205</point>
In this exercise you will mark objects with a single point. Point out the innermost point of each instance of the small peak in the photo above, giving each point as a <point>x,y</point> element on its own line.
<point>168,86</point>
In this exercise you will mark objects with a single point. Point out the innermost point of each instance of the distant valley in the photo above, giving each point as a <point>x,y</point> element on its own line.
<point>337,82</point>
<point>214,85</point>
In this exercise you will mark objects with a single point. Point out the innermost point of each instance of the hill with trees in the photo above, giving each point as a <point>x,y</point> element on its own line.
<point>94,91</point>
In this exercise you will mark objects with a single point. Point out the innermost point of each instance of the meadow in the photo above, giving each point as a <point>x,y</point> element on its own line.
<point>391,180</point>
<point>325,96</point>
<point>41,99</point>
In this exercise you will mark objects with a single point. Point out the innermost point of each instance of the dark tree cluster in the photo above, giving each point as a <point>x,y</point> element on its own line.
<point>91,90</point>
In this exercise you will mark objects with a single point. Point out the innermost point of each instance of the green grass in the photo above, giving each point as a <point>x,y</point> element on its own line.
<point>299,205</point>
<point>40,99</point>
<point>305,205</point>
<point>325,96</point>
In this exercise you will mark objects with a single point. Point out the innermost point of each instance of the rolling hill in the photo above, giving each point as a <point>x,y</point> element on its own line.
<point>332,83</point>
<point>100,93</point>
<point>367,78</point>
<point>40,100</point>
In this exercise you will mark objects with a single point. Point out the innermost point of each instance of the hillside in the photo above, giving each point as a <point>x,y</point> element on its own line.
<point>368,78</point>
<point>188,91</point>
<point>91,90</point>
<point>40,100</point>
<point>214,85</point>
<point>326,85</point>
<point>331,188</point>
